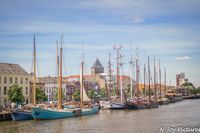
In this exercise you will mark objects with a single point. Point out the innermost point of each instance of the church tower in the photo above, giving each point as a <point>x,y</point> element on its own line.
<point>97,68</point>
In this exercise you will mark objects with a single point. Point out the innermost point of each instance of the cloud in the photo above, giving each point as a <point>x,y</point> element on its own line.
<point>137,19</point>
<point>183,58</point>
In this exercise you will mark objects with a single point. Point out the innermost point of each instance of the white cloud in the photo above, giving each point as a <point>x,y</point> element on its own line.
<point>183,58</point>
<point>137,19</point>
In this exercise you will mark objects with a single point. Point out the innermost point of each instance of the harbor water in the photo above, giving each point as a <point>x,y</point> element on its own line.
<point>164,118</point>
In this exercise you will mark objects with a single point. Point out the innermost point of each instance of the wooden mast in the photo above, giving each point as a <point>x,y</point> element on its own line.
<point>160,80</point>
<point>60,80</point>
<point>137,78</point>
<point>117,48</point>
<point>34,72</point>
<point>109,76</point>
<point>81,83</point>
<point>144,80</point>
<point>121,79</point>
<point>57,63</point>
<point>131,77</point>
<point>155,87</point>
<point>149,74</point>
<point>165,81</point>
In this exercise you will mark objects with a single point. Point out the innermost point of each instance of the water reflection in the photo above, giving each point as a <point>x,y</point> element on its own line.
<point>185,113</point>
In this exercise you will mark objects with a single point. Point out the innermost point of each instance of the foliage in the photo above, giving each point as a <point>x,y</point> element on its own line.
<point>76,95</point>
<point>40,95</point>
<point>92,94</point>
<point>195,91</point>
<point>188,84</point>
<point>15,94</point>
<point>102,92</point>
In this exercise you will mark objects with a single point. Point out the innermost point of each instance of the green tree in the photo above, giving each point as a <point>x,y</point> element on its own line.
<point>40,95</point>
<point>188,84</point>
<point>92,94</point>
<point>76,95</point>
<point>102,92</point>
<point>15,94</point>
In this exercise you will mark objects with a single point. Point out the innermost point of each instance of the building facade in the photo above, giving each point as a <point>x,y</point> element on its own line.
<point>51,85</point>
<point>11,74</point>
<point>180,79</point>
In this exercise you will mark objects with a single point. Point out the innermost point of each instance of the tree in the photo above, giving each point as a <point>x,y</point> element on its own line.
<point>15,94</point>
<point>92,93</point>
<point>40,95</point>
<point>102,92</point>
<point>76,95</point>
<point>188,84</point>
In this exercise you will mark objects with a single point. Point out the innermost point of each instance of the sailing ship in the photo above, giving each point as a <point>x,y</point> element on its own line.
<point>49,113</point>
<point>20,114</point>
<point>57,113</point>
<point>83,96</point>
<point>117,103</point>
<point>141,102</point>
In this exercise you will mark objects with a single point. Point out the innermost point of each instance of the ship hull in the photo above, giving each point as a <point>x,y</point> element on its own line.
<point>117,105</point>
<point>44,114</point>
<point>21,115</point>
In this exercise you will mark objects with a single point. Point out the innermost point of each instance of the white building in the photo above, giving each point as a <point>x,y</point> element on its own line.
<point>51,85</point>
<point>11,74</point>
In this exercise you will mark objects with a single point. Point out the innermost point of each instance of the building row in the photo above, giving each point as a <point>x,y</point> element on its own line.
<point>11,74</point>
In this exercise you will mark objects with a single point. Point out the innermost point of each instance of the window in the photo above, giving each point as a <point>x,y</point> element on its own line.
<point>26,80</point>
<point>5,80</point>
<point>16,82</point>
<point>21,80</point>
<point>26,90</point>
<point>5,90</point>
<point>5,101</point>
<point>26,100</point>
<point>11,81</point>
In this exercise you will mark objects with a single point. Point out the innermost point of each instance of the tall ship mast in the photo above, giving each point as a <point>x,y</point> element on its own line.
<point>149,74</point>
<point>109,76</point>
<point>60,79</point>
<point>131,77</point>
<point>160,81</point>
<point>137,78</point>
<point>117,48</point>
<point>34,72</point>
<point>155,87</point>
<point>144,80</point>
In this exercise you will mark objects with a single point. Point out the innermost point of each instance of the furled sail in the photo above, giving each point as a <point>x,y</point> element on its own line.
<point>85,97</point>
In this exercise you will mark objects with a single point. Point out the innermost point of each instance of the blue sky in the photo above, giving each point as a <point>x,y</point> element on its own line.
<point>169,29</point>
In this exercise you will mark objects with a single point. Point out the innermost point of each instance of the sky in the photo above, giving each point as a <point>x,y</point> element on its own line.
<point>168,29</point>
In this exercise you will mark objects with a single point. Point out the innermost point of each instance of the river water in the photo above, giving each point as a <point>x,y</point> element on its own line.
<point>182,114</point>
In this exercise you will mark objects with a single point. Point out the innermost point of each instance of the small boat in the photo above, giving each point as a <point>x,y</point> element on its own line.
<point>105,104</point>
<point>117,105</point>
<point>19,115</point>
